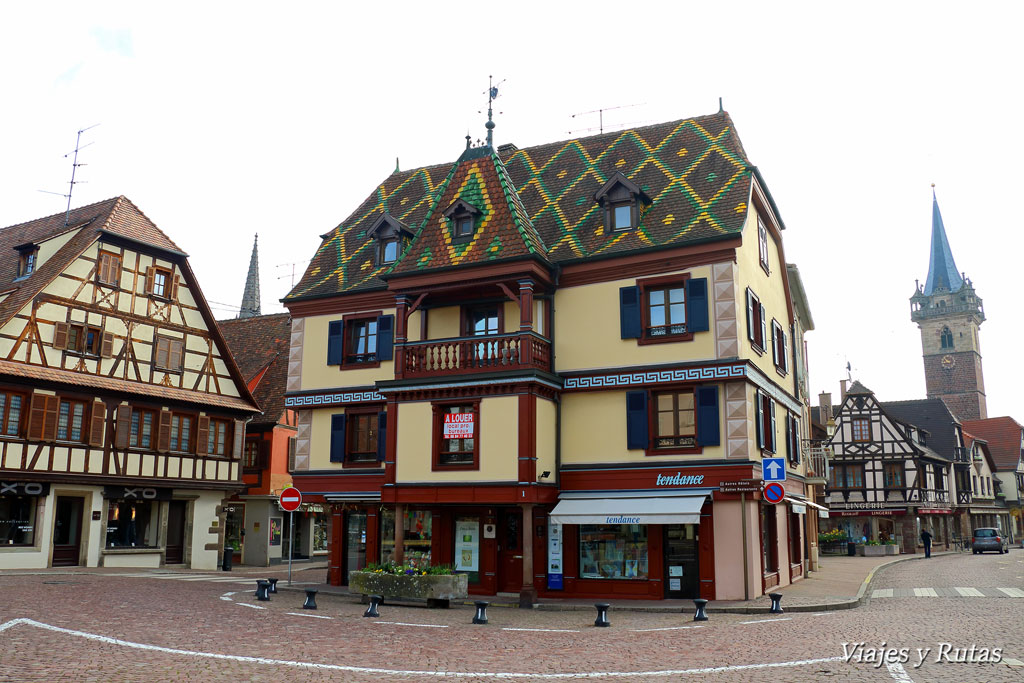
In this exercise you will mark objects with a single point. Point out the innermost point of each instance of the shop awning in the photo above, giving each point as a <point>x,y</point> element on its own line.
<point>638,510</point>
<point>798,506</point>
<point>353,497</point>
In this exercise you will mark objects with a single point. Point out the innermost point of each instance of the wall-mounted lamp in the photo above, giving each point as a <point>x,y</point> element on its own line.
<point>545,474</point>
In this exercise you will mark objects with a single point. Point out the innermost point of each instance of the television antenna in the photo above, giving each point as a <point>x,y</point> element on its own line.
<point>600,116</point>
<point>74,168</point>
<point>291,274</point>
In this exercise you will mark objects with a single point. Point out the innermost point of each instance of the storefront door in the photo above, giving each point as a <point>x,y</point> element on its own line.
<point>510,550</point>
<point>682,579</point>
<point>355,543</point>
<point>175,532</point>
<point>67,532</point>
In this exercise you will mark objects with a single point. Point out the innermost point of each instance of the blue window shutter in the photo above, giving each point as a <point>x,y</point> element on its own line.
<point>629,312</point>
<point>385,337</point>
<point>697,304</point>
<point>636,420</point>
<point>338,438</point>
<point>770,439</point>
<point>382,435</point>
<point>335,342</point>
<point>708,432</point>
<point>750,315</point>
<point>759,417</point>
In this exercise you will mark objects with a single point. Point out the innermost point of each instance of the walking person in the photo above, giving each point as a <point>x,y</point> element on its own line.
<point>926,538</point>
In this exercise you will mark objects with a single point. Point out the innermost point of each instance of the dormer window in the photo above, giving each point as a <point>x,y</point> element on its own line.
<point>391,236</point>
<point>622,201</point>
<point>27,260</point>
<point>463,217</point>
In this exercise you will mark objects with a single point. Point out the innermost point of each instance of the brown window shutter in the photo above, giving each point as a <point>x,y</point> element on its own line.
<point>163,437</point>
<point>99,418</point>
<point>264,451</point>
<point>203,435</point>
<point>174,287</point>
<point>101,267</point>
<point>291,453</point>
<point>161,352</point>
<point>37,417</point>
<point>115,270</point>
<point>107,345</point>
<point>174,354</point>
<point>50,425</point>
<point>124,423</point>
<point>60,335</point>
<point>149,279</point>
<point>236,451</point>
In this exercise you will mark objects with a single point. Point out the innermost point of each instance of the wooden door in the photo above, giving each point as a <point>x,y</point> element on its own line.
<point>510,550</point>
<point>176,532</point>
<point>67,532</point>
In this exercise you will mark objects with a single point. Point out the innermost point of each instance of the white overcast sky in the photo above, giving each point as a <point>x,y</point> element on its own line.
<point>221,120</point>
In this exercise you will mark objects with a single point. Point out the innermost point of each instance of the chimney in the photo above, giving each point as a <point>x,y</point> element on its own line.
<point>842,389</point>
<point>825,412</point>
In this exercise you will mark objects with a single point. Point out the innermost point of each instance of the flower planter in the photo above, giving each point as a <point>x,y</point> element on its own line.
<point>436,589</point>
<point>871,550</point>
<point>892,549</point>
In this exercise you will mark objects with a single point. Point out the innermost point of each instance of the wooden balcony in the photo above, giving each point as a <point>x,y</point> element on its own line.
<point>964,497</point>
<point>463,355</point>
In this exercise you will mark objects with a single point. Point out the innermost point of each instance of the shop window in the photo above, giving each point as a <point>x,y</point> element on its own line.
<point>613,551</point>
<point>360,341</point>
<point>181,433</point>
<point>218,438</point>
<point>132,523</point>
<point>417,525</point>
<point>108,268</point>
<point>764,408</point>
<point>795,546</point>
<point>861,427</point>
<point>10,413</point>
<point>70,421</point>
<point>456,436</point>
<point>168,353</point>
<point>893,475</point>
<point>321,524</point>
<point>664,309</point>
<point>234,528</point>
<point>780,348</point>
<point>18,520</point>
<point>467,547</point>
<point>756,325</point>
<point>141,430</point>
<point>769,539</point>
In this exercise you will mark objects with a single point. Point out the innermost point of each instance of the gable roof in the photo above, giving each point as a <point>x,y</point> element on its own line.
<point>931,415</point>
<point>694,170</point>
<point>1003,435</point>
<point>259,345</point>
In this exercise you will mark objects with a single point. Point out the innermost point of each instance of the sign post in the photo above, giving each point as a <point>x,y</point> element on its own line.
<point>290,501</point>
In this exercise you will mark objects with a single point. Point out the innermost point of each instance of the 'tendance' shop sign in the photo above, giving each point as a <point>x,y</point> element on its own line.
<point>679,479</point>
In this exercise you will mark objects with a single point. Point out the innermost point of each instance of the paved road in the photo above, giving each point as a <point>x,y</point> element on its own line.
<point>87,627</point>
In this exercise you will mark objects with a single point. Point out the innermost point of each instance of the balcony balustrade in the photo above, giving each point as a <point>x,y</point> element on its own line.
<point>462,355</point>
<point>961,456</point>
<point>964,497</point>
<point>817,463</point>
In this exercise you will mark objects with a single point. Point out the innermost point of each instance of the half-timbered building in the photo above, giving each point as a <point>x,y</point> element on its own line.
<point>547,367</point>
<point>122,411</point>
<point>1004,437</point>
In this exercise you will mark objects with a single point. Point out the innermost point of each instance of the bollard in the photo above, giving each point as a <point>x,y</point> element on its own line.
<point>375,601</point>
<point>481,612</point>
<point>602,614</point>
<point>776,599</point>
<point>701,615</point>
<point>310,599</point>
<point>261,590</point>
<point>273,585</point>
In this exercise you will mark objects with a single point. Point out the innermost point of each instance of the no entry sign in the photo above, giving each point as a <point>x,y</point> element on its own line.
<point>291,499</point>
<point>774,492</point>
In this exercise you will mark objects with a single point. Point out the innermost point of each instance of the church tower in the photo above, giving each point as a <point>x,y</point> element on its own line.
<point>251,296</point>
<point>949,313</point>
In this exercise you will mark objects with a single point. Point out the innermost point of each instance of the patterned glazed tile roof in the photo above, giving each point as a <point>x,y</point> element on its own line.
<point>695,171</point>
<point>259,346</point>
<point>1004,439</point>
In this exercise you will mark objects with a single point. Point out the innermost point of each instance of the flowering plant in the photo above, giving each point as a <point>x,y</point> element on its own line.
<point>832,536</point>
<point>407,570</point>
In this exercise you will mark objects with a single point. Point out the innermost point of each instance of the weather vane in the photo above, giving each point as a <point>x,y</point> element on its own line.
<point>492,94</point>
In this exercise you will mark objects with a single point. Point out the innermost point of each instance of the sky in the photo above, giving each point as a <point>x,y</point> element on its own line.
<point>225,120</point>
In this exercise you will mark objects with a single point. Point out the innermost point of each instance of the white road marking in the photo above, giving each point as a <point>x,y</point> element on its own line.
<point>313,616</point>
<point>402,623</point>
<point>823,614</point>
<point>882,593</point>
<point>543,630</point>
<point>762,621</point>
<point>668,628</point>
<point>900,674</point>
<point>394,672</point>
<point>211,577</point>
<point>925,593</point>
<point>245,604</point>
<point>1009,661</point>
<point>968,592</point>
<point>1013,592</point>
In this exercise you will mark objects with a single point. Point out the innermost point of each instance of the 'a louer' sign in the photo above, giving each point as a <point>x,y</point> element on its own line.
<point>458,425</point>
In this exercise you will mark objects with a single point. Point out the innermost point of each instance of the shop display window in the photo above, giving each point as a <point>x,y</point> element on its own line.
<point>417,525</point>
<point>132,524</point>
<point>321,531</point>
<point>467,547</point>
<point>613,551</point>
<point>17,520</point>
<point>234,526</point>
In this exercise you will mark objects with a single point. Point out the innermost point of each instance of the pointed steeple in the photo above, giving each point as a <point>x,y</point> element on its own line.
<point>942,272</point>
<point>251,296</point>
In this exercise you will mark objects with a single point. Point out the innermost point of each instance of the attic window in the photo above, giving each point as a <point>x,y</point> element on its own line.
<point>389,250</point>
<point>27,260</point>
<point>391,236</point>
<point>463,217</point>
<point>622,200</point>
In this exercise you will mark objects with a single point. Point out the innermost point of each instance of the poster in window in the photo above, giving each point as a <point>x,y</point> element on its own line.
<point>275,530</point>
<point>458,425</point>
<point>554,556</point>
<point>467,546</point>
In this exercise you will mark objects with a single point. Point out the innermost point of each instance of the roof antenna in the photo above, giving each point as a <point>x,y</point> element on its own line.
<point>492,94</point>
<point>719,105</point>
<point>74,167</point>
<point>396,165</point>
<point>600,117</point>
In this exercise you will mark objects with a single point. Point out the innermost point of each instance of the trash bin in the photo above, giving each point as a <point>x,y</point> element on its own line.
<point>229,555</point>
<point>851,548</point>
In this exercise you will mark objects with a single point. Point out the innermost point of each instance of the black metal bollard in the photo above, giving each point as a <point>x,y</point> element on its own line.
<point>602,614</point>
<point>261,590</point>
<point>375,601</point>
<point>273,585</point>
<point>776,599</point>
<point>310,599</point>
<point>481,612</point>
<point>701,615</point>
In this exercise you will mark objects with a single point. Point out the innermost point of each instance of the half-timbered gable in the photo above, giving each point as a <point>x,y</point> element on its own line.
<point>115,379</point>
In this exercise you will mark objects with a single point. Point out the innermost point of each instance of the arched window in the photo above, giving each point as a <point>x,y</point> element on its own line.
<point>947,338</point>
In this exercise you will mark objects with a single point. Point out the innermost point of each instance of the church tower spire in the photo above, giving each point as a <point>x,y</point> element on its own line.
<point>949,314</point>
<point>251,295</point>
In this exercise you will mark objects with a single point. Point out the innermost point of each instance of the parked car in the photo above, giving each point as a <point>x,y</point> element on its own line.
<point>989,539</point>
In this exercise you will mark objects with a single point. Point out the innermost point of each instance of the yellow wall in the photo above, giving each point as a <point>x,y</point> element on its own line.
<point>316,374</point>
<point>48,248</point>
<point>587,331</point>
<point>443,323</point>
<point>499,443</point>
<point>547,437</point>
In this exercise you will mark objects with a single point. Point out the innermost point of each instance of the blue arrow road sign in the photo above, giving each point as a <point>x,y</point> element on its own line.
<point>773,469</point>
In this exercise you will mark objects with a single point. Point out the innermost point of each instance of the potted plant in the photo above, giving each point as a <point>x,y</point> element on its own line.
<point>871,549</point>
<point>438,585</point>
<point>891,548</point>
